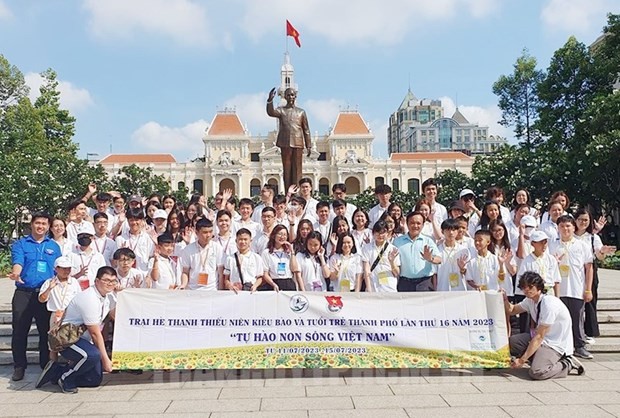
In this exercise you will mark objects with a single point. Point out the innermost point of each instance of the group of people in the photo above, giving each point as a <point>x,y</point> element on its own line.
<point>70,269</point>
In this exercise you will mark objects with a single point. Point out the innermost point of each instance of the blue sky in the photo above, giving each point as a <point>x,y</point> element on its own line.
<point>145,76</point>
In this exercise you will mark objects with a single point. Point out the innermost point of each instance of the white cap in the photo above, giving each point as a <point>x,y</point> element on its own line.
<point>538,236</point>
<point>529,220</point>
<point>160,214</point>
<point>63,262</point>
<point>87,228</point>
<point>465,192</point>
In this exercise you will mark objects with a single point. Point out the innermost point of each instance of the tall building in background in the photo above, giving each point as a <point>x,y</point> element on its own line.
<point>420,126</point>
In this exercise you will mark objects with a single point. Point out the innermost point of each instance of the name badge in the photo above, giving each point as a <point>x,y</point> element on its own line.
<point>564,270</point>
<point>41,267</point>
<point>281,269</point>
<point>203,279</point>
<point>454,279</point>
<point>345,285</point>
<point>383,278</point>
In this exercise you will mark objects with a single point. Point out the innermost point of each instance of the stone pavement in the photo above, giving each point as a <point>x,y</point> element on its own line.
<point>327,393</point>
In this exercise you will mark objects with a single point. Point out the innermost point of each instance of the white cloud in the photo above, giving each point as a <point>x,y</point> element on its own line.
<point>362,21</point>
<point>379,144</point>
<point>579,16</point>
<point>73,98</point>
<point>322,113</point>
<point>155,137</point>
<point>251,110</point>
<point>484,116</point>
<point>184,21</point>
<point>5,12</point>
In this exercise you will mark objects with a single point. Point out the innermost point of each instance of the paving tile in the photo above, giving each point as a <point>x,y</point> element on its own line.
<point>260,414</point>
<point>459,411</point>
<point>142,407</point>
<point>141,386</point>
<point>465,379</point>
<point>593,365</point>
<point>359,390</point>
<point>603,374</point>
<point>237,383</point>
<point>434,389</point>
<point>558,411</point>
<point>359,413</point>
<point>261,392</point>
<point>508,387</point>
<point>378,380</point>
<point>334,403</point>
<point>612,409</point>
<point>90,396</point>
<point>35,409</point>
<point>404,401</point>
<point>589,385</point>
<point>305,381</point>
<point>219,405</point>
<point>29,397</point>
<point>176,394</point>
<point>483,399</point>
<point>612,365</point>
<point>583,398</point>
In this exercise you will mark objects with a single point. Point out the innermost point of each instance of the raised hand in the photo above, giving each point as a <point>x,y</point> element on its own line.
<point>427,254</point>
<point>92,188</point>
<point>293,189</point>
<point>272,94</point>
<point>462,261</point>
<point>16,277</point>
<point>393,254</point>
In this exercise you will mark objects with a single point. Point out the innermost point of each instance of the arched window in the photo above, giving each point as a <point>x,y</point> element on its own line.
<point>353,186</point>
<point>198,186</point>
<point>413,185</point>
<point>227,184</point>
<point>395,184</point>
<point>255,187</point>
<point>324,186</point>
<point>379,181</point>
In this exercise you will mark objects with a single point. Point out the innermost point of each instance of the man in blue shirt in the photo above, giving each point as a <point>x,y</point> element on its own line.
<point>33,260</point>
<point>417,256</point>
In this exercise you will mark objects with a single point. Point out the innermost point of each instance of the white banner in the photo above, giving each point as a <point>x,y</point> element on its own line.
<point>162,329</point>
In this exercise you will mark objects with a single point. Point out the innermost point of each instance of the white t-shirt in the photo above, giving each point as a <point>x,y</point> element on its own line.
<point>142,245</point>
<point>381,278</point>
<point>259,243</point>
<point>325,230</point>
<point>74,229</point>
<point>89,308</point>
<point>169,270</point>
<point>311,207</point>
<point>203,264</point>
<point>277,263</point>
<point>448,272</point>
<point>227,244</point>
<point>555,314</point>
<point>311,273</point>
<point>349,268</point>
<point>550,228</point>
<point>441,213</point>
<point>251,264</point>
<point>546,265</point>
<point>591,241</point>
<point>62,294</point>
<point>66,247</point>
<point>106,247</point>
<point>351,208</point>
<point>254,227</point>
<point>484,271</point>
<point>575,254</point>
<point>93,260</point>
<point>131,279</point>
<point>375,213</point>
<point>361,238</point>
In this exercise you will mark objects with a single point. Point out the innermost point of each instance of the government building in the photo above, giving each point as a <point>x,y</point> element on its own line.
<point>234,159</point>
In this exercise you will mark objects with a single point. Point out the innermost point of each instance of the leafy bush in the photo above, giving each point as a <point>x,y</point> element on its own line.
<point>612,262</point>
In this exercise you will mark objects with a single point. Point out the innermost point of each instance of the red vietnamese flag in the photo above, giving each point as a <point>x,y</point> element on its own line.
<point>291,31</point>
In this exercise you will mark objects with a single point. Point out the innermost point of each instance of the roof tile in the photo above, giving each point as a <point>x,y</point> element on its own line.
<point>138,159</point>
<point>350,123</point>
<point>226,123</point>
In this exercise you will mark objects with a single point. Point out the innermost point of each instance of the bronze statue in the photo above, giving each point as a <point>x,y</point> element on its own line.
<point>293,134</point>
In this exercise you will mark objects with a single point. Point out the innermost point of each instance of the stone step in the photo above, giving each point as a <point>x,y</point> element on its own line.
<point>6,329</point>
<point>608,295</point>
<point>608,305</point>
<point>5,317</point>
<point>608,317</point>
<point>5,343</point>
<point>6,358</point>
<point>609,330</point>
<point>605,345</point>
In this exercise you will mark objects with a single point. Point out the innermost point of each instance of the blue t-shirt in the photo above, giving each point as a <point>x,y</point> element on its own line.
<point>37,260</point>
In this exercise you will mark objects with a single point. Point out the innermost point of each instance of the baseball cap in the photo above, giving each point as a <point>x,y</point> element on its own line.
<point>87,228</point>
<point>529,220</point>
<point>160,214</point>
<point>135,198</point>
<point>466,192</point>
<point>538,236</point>
<point>62,262</point>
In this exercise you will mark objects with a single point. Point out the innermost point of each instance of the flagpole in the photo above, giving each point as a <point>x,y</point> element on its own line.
<point>286,41</point>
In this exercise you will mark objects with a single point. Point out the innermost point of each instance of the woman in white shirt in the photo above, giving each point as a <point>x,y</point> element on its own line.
<point>361,234</point>
<point>345,265</point>
<point>313,268</point>
<point>58,232</point>
<point>280,261</point>
<point>583,232</point>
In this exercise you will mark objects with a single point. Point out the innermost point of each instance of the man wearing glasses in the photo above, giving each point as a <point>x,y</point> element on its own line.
<point>88,358</point>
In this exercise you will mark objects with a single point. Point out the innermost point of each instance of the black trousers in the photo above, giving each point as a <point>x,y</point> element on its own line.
<point>576,308</point>
<point>591,323</point>
<point>26,306</point>
<point>423,284</point>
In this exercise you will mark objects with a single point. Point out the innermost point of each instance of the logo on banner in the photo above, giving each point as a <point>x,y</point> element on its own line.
<point>334,303</point>
<point>299,304</point>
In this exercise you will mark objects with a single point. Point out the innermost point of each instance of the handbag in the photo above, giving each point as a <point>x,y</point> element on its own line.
<point>63,336</point>
<point>247,286</point>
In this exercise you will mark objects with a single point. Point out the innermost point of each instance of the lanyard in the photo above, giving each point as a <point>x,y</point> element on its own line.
<point>89,260</point>
<point>225,247</point>
<point>542,268</point>
<point>481,263</point>
<point>345,261</point>
<point>41,251</point>
<point>204,256</point>
<point>105,243</point>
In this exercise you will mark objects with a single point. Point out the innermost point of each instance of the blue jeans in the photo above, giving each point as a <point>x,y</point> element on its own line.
<point>85,369</point>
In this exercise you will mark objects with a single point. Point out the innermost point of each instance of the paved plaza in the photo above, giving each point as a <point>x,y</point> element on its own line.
<point>327,393</point>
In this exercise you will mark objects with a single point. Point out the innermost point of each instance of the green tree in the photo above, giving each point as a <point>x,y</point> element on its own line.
<point>133,179</point>
<point>451,182</point>
<point>12,85</point>
<point>518,98</point>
